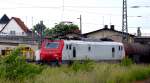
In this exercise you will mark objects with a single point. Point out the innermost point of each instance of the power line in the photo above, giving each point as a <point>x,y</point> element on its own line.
<point>89,7</point>
<point>29,7</point>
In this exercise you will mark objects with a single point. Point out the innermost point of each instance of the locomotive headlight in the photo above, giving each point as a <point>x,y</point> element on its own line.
<point>56,56</point>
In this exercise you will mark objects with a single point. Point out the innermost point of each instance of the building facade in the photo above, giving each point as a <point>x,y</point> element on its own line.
<point>110,34</point>
<point>15,27</point>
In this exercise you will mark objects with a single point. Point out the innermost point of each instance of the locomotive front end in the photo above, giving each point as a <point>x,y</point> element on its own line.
<point>51,51</point>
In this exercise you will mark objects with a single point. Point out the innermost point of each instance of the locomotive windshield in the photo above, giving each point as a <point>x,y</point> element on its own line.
<point>52,45</point>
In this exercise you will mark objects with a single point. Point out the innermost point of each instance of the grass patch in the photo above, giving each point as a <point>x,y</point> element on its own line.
<point>100,73</point>
<point>14,69</point>
<point>87,65</point>
<point>126,62</point>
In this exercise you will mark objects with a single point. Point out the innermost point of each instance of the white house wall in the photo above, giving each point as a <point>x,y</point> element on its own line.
<point>1,26</point>
<point>13,26</point>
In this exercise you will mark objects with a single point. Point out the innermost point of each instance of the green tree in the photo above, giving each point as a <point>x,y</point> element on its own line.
<point>62,28</point>
<point>39,28</point>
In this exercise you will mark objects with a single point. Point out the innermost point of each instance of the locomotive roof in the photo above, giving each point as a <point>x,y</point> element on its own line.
<point>94,43</point>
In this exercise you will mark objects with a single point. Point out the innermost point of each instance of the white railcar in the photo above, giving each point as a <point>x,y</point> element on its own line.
<point>82,50</point>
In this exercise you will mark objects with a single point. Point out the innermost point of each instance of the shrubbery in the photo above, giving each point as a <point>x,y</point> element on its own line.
<point>14,66</point>
<point>126,62</point>
<point>86,65</point>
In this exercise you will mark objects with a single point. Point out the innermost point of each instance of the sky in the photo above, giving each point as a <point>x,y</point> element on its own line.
<point>95,13</point>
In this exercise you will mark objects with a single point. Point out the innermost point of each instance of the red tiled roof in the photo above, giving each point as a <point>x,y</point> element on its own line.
<point>20,23</point>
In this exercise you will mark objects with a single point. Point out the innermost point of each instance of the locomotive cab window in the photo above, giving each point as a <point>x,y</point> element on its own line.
<point>52,45</point>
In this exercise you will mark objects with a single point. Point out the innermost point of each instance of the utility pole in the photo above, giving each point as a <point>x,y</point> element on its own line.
<point>80,23</point>
<point>124,22</point>
<point>41,28</point>
<point>138,32</point>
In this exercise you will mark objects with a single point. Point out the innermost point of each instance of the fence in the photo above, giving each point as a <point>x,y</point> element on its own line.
<point>18,39</point>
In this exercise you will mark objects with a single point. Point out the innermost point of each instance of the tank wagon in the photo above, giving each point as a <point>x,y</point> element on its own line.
<point>138,52</point>
<point>69,50</point>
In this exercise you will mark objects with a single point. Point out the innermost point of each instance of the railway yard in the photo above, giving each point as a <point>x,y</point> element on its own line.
<point>88,72</point>
<point>67,51</point>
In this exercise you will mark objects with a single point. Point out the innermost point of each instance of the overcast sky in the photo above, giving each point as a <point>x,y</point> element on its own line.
<point>95,13</point>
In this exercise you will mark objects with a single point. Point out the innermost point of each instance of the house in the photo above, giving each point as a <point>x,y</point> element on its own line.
<point>106,33</point>
<point>15,27</point>
<point>3,21</point>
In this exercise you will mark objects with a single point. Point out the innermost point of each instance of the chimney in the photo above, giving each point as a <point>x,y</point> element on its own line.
<point>105,26</point>
<point>112,27</point>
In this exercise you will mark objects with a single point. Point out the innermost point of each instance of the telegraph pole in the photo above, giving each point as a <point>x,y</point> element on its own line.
<point>80,23</point>
<point>124,22</point>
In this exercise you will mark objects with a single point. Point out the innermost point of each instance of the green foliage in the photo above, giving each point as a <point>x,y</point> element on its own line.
<point>78,72</point>
<point>58,29</point>
<point>15,66</point>
<point>100,73</point>
<point>62,28</point>
<point>126,62</point>
<point>86,65</point>
<point>39,28</point>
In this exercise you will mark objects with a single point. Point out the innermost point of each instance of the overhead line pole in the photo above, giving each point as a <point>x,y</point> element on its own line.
<point>124,22</point>
<point>81,24</point>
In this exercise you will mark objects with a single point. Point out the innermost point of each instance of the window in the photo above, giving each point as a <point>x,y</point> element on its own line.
<point>67,46</point>
<point>23,33</point>
<point>119,48</point>
<point>113,52</point>
<point>89,48</point>
<point>113,49</point>
<point>12,32</point>
<point>70,47</point>
<point>74,52</point>
<point>52,45</point>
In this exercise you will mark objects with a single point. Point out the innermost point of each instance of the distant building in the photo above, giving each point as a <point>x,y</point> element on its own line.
<point>109,34</point>
<point>14,27</point>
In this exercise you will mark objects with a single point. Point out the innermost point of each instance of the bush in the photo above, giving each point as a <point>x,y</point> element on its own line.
<point>126,62</point>
<point>86,65</point>
<point>14,66</point>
